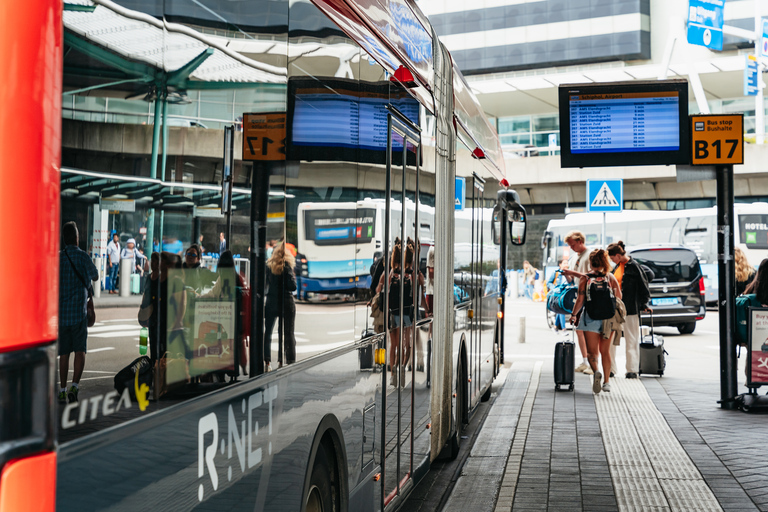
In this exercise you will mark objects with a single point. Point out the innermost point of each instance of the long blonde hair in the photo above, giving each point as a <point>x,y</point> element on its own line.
<point>280,257</point>
<point>743,268</point>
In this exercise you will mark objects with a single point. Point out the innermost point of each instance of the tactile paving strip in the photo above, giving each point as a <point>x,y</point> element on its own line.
<point>649,467</point>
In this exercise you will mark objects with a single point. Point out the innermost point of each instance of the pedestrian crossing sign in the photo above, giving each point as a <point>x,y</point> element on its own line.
<point>605,195</point>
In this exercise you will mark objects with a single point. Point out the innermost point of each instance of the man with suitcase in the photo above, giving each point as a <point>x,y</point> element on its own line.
<point>580,263</point>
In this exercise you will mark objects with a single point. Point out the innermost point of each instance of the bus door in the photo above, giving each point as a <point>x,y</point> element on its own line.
<point>401,294</point>
<point>477,288</point>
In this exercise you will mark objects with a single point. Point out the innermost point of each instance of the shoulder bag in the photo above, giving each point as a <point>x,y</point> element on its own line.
<point>89,310</point>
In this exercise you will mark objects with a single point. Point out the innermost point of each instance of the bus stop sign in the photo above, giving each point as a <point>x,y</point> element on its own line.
<point>717,139</point>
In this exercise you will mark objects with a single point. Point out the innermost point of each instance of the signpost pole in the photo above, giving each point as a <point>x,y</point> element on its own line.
<point>759,108</point>
<point>726,281</point>
<point>259,206</point>
<point>603,239</point>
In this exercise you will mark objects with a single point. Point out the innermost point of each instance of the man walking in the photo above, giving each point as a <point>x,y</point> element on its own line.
<point>113,261</point>
<point>222,244</point>
<point>76,271</point>
<point>580,263</point>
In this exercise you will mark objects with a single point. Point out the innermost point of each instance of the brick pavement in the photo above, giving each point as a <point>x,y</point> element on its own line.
<point>545,450</point>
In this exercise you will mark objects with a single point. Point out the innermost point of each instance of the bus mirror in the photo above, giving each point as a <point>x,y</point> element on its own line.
<point>496,225</point>
<point>517,224</point>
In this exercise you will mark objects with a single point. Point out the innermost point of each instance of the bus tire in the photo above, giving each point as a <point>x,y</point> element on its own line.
<point>320,497</point>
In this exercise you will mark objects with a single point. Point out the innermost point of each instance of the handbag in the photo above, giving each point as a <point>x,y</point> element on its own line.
<point>90,312</point>
<point>562,298</point>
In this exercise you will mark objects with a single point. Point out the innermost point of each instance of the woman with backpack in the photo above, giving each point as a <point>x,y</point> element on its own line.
<point>595,303</point>
<point>635,294</point>
<point>398,320</point>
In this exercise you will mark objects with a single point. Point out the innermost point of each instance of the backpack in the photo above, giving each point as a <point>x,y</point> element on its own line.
<point>562,298</point>
<point>394,293</point>
<point>743,303</point>
<point>601,303</point>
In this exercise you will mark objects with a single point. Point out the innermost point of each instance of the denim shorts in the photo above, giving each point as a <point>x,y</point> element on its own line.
<point>407,320</point>
<point>589,325</point>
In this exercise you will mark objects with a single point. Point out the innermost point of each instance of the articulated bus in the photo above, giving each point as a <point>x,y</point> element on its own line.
<point>695,228</point>
<point>323,104</point>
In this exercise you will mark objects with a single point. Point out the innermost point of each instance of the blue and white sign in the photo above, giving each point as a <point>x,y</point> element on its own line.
<point>605,195</point>
<point>764,40</point>
<point>750,75</point>
<point>461,194</point>
<point>705,23</point>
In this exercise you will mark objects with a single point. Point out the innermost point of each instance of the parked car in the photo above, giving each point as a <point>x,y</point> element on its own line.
<point>677,290</point>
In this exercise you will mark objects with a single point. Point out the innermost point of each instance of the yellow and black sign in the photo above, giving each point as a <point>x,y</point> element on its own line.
<point>264,136</point>
<point>717,139</point>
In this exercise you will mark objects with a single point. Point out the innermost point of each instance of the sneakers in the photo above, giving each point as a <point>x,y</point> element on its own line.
<point>596,382</point>
<point>72,394</point>
<point>631,375</point>
<point>588,371</point>
<point>606,387</point>
<point>582,367</point>
<point>268,368</point>
<point>62,397</point>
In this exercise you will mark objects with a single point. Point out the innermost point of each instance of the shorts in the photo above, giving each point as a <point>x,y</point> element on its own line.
<point>73,338</point>
<point>407,320</point>
<point>589,325</point>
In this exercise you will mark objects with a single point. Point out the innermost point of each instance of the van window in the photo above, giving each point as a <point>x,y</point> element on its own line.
<point>671,265</point>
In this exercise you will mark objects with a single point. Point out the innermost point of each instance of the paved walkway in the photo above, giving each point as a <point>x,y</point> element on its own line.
<point>651,444</point>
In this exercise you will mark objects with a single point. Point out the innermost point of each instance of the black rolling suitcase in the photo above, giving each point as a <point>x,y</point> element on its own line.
<point>564,364</point>
<point>652,354</point>
<point>365,353</point>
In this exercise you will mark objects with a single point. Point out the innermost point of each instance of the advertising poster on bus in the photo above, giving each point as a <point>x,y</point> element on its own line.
<point>213,345</point>
<point>758,349</point>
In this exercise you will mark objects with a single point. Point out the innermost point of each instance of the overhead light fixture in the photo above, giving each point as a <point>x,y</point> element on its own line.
<point>178,98</point>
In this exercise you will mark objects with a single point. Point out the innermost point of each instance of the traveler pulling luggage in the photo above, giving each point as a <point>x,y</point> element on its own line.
<point>564,363</point>
<point>652,354</point>
<point>365,353</point>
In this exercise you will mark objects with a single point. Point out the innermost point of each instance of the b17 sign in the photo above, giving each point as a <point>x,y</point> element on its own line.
<point>717,139</point>
<point>264,136</point>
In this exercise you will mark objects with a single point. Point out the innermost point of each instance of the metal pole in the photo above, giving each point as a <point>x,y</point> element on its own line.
<point>259,205</point>
<point>603,239</point>
<point>503,275</point>
<point>165,144</point>
<point>726,281</point>
<point>759,101</point>
<point>149,247</point>
<point>227,177</point>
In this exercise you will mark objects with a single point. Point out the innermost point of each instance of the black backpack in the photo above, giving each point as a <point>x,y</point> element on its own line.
<point>394,292</point>
<point>601,303</point>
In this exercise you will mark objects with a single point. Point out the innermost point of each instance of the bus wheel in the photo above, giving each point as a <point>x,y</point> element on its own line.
<point>320,495</point>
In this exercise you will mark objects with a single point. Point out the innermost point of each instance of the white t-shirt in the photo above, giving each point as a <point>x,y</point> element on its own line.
<point>579,263</point>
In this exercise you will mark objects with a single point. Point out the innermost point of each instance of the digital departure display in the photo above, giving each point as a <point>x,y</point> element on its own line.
<point>627,123</point>
<point>344,120</point>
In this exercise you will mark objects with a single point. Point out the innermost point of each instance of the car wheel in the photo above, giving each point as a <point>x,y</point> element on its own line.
<point>687,328</point>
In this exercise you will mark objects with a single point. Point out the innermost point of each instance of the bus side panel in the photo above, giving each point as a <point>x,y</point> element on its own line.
<point>246,447</point>
<point>30,151</point>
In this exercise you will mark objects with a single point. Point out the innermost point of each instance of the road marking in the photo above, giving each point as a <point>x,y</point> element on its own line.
<point>102,349</point>
<point>346,331</point>
<point>121,334</point>
<point>108,328</point>
<point>307,349</point>
<point>97,378</point>
<point>648,464</point>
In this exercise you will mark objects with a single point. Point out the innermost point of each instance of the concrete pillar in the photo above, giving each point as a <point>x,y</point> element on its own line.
<point>97,285</point>
<point>513,284</point>
<point>125,277</point>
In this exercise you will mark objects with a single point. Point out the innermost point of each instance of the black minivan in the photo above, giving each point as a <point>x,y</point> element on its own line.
<point>677,289</point>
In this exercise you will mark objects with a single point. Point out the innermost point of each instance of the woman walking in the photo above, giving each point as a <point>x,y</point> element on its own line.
<point>281,283</point>
<point>635,294</point>
<point>745,273</point>
<point>596,344</point>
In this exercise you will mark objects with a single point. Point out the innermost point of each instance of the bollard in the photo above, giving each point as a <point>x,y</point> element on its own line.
<point>126,265</point>
<point>520,330</point>
<point>97,284</point>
